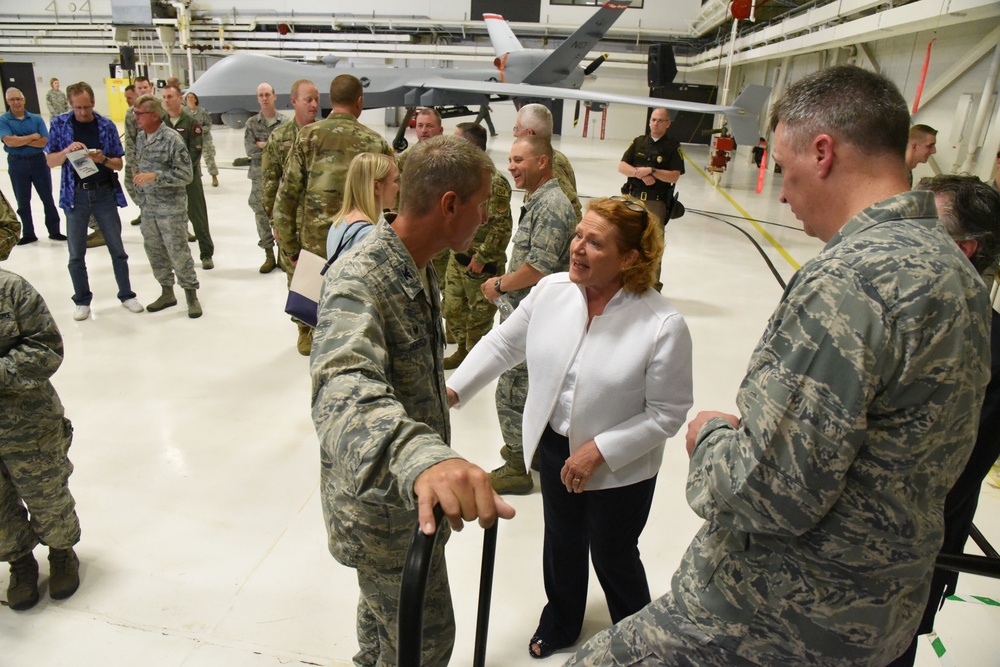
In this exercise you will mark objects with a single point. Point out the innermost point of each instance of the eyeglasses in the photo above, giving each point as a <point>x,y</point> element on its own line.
<point>633,206</point>
<point>142,113</point>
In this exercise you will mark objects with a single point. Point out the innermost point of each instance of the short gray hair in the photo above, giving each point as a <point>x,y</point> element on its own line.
<point>537,118</point>
<point>852,105</point>
<point>152,103</point>
<point>970,211</point>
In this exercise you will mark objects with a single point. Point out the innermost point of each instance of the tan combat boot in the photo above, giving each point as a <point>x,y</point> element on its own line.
<point>194,308</point>
<point>95,239</point>
<point>166,300</point>
<point>270,264</point>
<point>457,357</point>
<point>305,341</point>
<point>511,480</point>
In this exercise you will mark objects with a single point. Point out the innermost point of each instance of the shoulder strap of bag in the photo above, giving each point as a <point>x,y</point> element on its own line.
<point>344,241</point>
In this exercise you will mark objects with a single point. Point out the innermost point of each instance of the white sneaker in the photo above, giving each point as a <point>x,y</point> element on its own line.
<point>81,313</point>
<point>132,306</point>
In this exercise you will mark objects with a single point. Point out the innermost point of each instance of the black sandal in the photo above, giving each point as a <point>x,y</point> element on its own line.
<point>539,648</point>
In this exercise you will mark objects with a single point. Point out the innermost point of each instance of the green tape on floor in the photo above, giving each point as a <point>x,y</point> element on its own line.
<point>938,646</point>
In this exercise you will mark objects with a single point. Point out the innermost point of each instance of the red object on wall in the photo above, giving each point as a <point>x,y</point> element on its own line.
<point>740,9</point>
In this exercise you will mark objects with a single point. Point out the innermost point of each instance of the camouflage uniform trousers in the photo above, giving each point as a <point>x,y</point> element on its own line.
<point>467,312</point>
<point>378,608</point>
<point>511,394</point>
<point>208,151</point>
<point>128,173</point>
<point>164,235</point>
<point>659,634</point>
<point>197,213</point>
<point>257,206</point>
<point>34,472</point>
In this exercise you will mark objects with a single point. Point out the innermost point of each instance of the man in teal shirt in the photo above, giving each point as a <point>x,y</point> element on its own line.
<point>24,137</point>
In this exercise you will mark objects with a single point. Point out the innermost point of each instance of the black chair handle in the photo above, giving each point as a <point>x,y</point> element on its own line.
<point>413,590</point>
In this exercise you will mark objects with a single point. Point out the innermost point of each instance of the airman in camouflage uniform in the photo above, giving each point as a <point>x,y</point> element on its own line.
<point>314,177</point>
<point>34,442</point>
<point>10,228</point>
<point>536,119</point>
<point>823,500</point>
<point>55,99</point>
<point>305,100</point>
<point>163,170</point>
<point>255,134</point>
<point>142,86</point>
<point>466,310</point>
<point>379,401</point>
<point>203,118</point>
<point>541,247</point>
<point>197,209</point>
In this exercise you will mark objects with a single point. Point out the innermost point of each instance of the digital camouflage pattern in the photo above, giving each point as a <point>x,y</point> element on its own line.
<point>258,129</point>
<point>314,178</point>
<point>379,405</point>
<point>377,613</point>
<point>563,172</point>
<point>10,228</point>
<point>204,119</point>
<point>468,313</point>
<point>164,205</point>
<point>543,234</point>
<point>57,103</point>
<point>541,239</point>
<point>131,131</point>
<point>34,435</point>
<point>859,410</point>
<point>197,207</point>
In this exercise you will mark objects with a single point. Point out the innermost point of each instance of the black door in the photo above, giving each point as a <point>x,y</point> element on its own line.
<point>21,76</point>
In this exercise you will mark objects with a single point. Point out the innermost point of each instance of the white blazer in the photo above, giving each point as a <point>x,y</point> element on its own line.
<point>633,386</point>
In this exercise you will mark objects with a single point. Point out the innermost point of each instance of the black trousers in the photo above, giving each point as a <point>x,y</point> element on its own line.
<point>605,523</point>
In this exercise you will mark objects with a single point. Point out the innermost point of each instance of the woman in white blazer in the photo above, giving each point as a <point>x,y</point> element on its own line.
<point>609,380</point>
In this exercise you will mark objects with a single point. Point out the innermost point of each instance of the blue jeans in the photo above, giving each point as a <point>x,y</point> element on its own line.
<point>101,203</point>
<point>26,171</point>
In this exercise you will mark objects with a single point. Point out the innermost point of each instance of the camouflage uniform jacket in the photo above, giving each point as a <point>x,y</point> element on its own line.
<point>203,118</point>
<point>314,179</point>
<point>563,172</point>
<point>859,410</point>
<point>190,132</point>
<point>10,228</point>
<point>56,101</point>
<point>131,132</point>
<point>258,129</point>
<point>378,402</point>
<point>163,152</point>
<point>543,233</point>
<point>31,350</point>
<point>490,243</point>
<point>272,163</point>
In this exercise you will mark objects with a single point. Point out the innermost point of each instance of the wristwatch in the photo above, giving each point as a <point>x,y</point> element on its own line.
<point>496,286</point>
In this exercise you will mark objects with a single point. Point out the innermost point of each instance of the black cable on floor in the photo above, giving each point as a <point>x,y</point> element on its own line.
<point>767,260</point>
<point>733,215</point>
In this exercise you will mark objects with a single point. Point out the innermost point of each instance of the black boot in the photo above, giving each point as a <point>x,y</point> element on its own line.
<point>64,573</point>
<point>22,593</point>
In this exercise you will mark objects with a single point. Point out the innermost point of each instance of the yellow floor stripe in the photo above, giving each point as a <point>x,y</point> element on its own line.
<point>763,232</point>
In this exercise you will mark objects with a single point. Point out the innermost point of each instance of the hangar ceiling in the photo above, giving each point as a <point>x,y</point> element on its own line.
<point>782,28</point>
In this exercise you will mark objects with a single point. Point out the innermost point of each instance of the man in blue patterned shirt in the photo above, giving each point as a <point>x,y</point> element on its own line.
<point>99,194</point>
